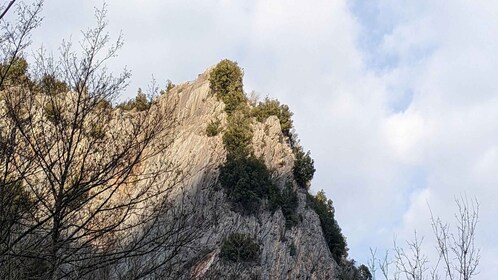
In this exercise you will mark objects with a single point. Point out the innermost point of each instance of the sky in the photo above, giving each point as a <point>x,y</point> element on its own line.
<point>397,100</point>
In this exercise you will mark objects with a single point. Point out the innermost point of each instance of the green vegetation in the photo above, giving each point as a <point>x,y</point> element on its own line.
<point>52,112</point>
<point>13,193</point>
<point>349,271</point>
<point>50,85</point>
<point>15,73</point>
<point>246,179</point>
<point>331,230</point>
<point>287,201</point>
<point>140,103</point>
<point>213,128</point>
<point>226,82</point>
<point>247,182</point>
<point>238,136</point>
<point>239,247</point>
<point>289,205</point>
<point>292,249</point>
<point>169,87</point>
<point>303,169</point>
<point>272,107</point>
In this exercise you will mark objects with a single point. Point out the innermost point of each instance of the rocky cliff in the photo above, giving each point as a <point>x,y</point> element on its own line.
<point>298,252</point>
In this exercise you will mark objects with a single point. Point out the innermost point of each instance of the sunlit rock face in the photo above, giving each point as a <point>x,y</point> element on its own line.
<point>299,252</point>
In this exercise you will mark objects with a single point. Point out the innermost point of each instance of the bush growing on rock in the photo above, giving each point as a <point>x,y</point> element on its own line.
<point>287,201</point>
<point>238,136</point>
<point>331,230</point>
<point>140,103</point>
<point>15,73</point>
<point>226,82</point>
<point>213,128</point>
<point>289,205</point>
<point>247,182</point>
<point>239,247</point>
<point>272,107</point>
<point>303,169</point>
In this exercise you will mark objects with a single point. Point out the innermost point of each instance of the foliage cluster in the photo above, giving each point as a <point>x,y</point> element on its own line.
<point>287,201</point>
<point>292,249</point>
<point>238,136</point>
<point>13,195</point>
<point>14,73</point>
<point>226,82</point>
<point>331,230</point>
<point>303,169</point>
<point>272,107</point>
<point>140,103</point>
<point>48,84</point>
<point>213,128</point>
<point>349,271</point>
<point>239,247</point>
<point>169,87</point>
<point>247,181</point>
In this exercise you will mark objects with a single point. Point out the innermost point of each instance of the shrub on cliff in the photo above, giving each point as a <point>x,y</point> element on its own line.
<point>303,169</point>
<point>140,103</point>
<point>14,73</point>
<point>238,136</point>
<point>226,82</point>
<point>272,107</point>
<point>331,230</point>
<point>213,128</point>
<point>247,182</point>
<point>239,247</point>
<point>287,201</point>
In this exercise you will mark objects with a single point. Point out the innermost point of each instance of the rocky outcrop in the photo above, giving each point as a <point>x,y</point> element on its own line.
<point>296,253</point>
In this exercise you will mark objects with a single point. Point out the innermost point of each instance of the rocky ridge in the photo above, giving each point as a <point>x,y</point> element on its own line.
<point>299,252</point>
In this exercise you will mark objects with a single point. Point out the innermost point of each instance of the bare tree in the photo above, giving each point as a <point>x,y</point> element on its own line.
<point>412,264</point>
<point>14,39</point>
<point>457,250</point>
<point>457,254</point>
<point>83,192</point>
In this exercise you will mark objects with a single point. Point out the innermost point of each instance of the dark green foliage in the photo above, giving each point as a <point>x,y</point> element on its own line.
<point>169,87</point>
<point>271,107</point>
<point>365,272</point>
<point>331,230</point>
<point>303,168</point>
<point>14,201</point>
<point>140,103</point>
<point>239,247</point>
<point>289,205</point>
<point>226,82</point>
<point>97,132</point>
<point>238,135</point>
<point>246,181</point>
<point>50,85</point>
<point>104,106</point>
<point>292,249</point>
<point>287,201</point>
<point>52,112</point>
<point>274,198</point>
<point>213,128</point>
<point>349,271</point>
<point>16,74</point>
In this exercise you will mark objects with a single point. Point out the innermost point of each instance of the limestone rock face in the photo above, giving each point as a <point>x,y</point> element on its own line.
<point>297,253</point>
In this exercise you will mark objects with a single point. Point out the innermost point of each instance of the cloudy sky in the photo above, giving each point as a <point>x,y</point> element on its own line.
<point>397,100</point>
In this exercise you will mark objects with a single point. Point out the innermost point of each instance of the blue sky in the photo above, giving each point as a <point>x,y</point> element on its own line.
<point>397,100</point>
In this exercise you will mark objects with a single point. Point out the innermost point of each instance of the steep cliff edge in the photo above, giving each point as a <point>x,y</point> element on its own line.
<point>296,252</point>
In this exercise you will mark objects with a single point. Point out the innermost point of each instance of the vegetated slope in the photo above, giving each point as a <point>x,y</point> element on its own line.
<point>252,221</point>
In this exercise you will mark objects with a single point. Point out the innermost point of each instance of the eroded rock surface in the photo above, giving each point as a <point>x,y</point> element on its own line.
<point>296,253</point>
